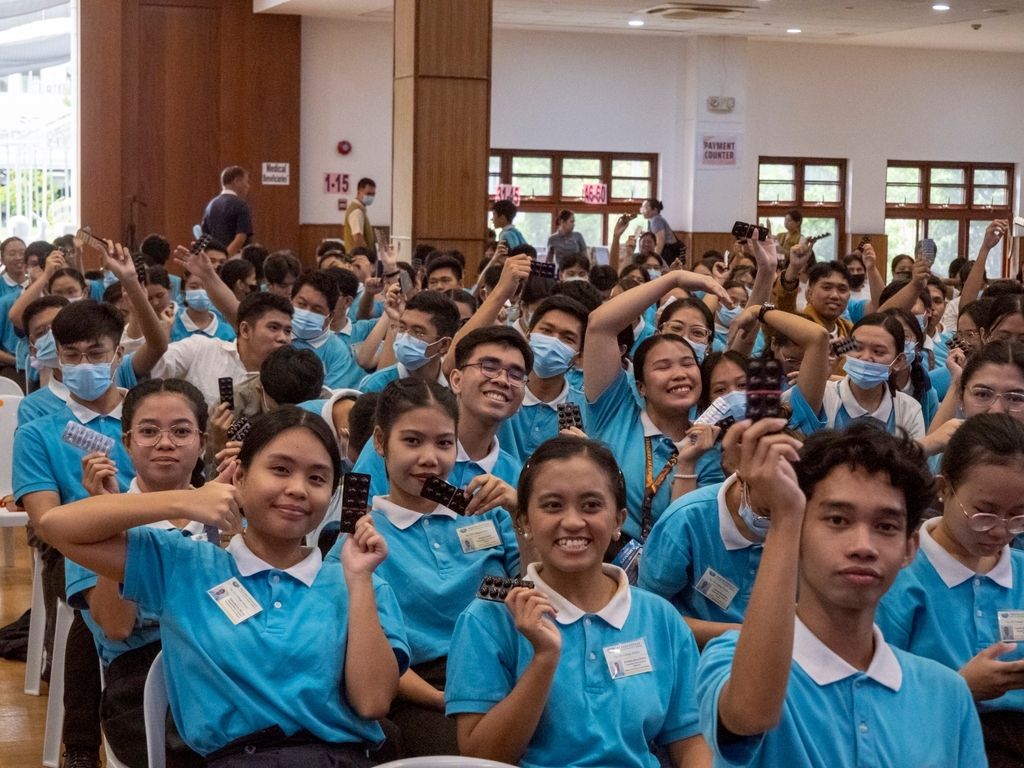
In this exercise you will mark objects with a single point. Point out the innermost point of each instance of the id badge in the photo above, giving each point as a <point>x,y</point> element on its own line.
<point>627,659</point>
<point>1011,626</point>
<point>235,600</point>
<point>482,535</point>
<point>716,588</point>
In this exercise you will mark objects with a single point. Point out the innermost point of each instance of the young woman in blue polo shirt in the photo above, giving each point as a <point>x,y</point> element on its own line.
<point>961,601</point>
<point>438,558</point>
<point>581,669</point>
<point>270,654</point>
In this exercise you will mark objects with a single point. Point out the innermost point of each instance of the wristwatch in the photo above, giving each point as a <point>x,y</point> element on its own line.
<point>766,307</point>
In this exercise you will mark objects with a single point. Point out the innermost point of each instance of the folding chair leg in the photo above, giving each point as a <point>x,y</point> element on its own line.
<point>55,701</point>
<point>8,547</point>
<point>36,628</point>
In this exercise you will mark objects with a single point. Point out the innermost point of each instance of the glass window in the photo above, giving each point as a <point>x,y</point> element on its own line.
<point>946,234</point>
<point>976,233</point>
<point>577,171</point>
<point>631,189</point>
<point>991,197</point>
<point>947,176</point>
<point>591,226</point>
<point>532,175</point>
<point>990,176</point>
<point>943,195</point>
<point>631,168</point>
<point>776,183</point>
<point>535,227</point>
<point>902,234</point>
<point>903,185</point>
<point>821,184</point>
<point>824,250</point>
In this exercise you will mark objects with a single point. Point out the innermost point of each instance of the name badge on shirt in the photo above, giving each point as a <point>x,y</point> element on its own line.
<point>627,659</point>
<point>1011,626</point>
<point>482,535</point>
<point>235,600</point>
<point>716,588</point>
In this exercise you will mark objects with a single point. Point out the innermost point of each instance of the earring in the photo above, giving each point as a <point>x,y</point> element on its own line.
<point>616,535</point>
<point>526,534</point>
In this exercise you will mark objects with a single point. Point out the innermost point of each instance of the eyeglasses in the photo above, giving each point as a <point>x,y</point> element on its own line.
<point>985,398</point>
<point>490,369</point>
<point>697,332</point>
<point>180,436</point>
<point>1007,336</point>
<point>986,521</point>
<point>93,357</point>
<point>396,328</point>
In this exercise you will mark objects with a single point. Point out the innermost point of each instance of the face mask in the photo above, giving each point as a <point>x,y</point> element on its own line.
<point>198,300</point>
<point>726,316</point>
<point>551,356</point>
<point>411,352</point>
<point>699,350</point>
<point>857,282</point>
<point>865,374</point>
<point>910,350</point>
<point>654,273</point>
<point>86,381</point>
<point>757,524</point>
<point>46,352</point>
<point>368,200</point>
<point>108,279</point>
<point>307,325</point>
<point>920,320</point>
<point>700,294</point>
<point>572,278</point>
<point>73,299</point>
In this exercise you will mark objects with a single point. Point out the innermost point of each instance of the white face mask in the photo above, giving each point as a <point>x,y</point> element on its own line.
<point>368,200</point>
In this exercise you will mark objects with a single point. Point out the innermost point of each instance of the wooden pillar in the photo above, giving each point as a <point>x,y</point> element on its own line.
<point>441,137</point>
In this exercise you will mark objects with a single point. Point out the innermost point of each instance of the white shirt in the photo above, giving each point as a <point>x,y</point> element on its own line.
<point>201,360</point>
<point>85,415</point>
<point>403,518</point>
<point>531,399</point>
<point>404,373</point>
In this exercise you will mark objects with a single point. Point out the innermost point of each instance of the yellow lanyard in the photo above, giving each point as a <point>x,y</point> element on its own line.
<point>652,485</point>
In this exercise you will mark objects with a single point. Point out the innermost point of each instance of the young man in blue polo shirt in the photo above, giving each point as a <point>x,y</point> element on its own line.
<point>810,680</point>
<point>503,213</point>
<point>313,298</point>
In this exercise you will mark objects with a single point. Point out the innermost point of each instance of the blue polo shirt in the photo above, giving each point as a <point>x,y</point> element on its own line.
<point>9,337</point>
<point>283,666</point>
<point>903,711</point>
<point>55,395</point>
<point>355,331</point>
<point>6,288</point>
<point>44,462</point>
<point>940,381</point>
<point>840,409</point>
<point>618,420</point>
<point>433,575</point>
<point>697,533</point>
<point>497,463</point>
<point>376,381</point>
<point>537,421</point>
<point>941,609</point>
<point>353,311</point>
<point>512,236</point>
<point>590,718</point>
<point>183,327</point>
<point>340,368</point>
<point>645,331</point>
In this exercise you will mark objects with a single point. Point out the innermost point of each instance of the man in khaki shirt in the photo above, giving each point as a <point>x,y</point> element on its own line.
<point>358,230</point>
<point>786,240</point>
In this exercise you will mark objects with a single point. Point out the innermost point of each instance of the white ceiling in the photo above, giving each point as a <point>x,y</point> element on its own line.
<point>904,23</point>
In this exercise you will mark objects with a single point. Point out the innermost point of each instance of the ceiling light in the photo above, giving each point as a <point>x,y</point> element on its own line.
<point>635,23</point>
<point>794,31</point>
<point>940,7</point>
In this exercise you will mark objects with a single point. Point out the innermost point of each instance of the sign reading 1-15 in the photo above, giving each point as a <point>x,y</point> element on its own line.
<point>335,183</point>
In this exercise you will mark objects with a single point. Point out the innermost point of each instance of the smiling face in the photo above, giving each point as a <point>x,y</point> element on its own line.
<point>489,400</point>
<point>571,514</point>
<point>854,540</point>
<point>671,377</point>
<point>727,377</point>
<point>287,487</point>
<point>829,296</point>
<point>421,443</point>
<point>164,466</point>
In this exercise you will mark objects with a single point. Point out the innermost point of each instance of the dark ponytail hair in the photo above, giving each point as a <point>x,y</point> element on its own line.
<point>895,329</point>
<point>655,204</point>
<point>268,426</point>
<point>920,381</point>
<point>404,395</point>
<point>995,439</point>
<point>138,394</point>
<point>567,447</point>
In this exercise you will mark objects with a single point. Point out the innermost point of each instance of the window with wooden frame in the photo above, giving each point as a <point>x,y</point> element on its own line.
<point>551,181</point>
<point>815,186</point>
<point>952,203</point>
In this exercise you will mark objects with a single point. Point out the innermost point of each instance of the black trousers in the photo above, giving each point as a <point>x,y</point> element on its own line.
<point>81,689</point>
<point>414,731</point>
<point>270,748</point>
<point>1004,738</point>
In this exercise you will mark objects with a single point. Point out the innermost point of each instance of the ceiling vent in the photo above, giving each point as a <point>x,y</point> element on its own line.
<point>698,11</point>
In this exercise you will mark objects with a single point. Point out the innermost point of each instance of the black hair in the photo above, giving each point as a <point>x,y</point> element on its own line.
<point>403,395</point>
<point>993,439</point>
<point>38,248</point>
<point>255,255</point>
<point>636,268</point>
<point>603,277</point>
<point>920,381</point>
<point>640,356</point>
<point>279,265</point>
<point>526,248</point>
<point>655,204</point>
<point>216,245</point>
<point>825,269</point>
<point>891,290</point>
<point>581,291</point>
<point>365,182</point>
<point>688,302</point>
<point>442,310</point>
<point>158,276</point>
<point>345,279</point>
<point>954,268</point>
<point>505,208</point>
<point>897,260</point>
<point>460,296</point>
<point>707,368</point>
<point>87,320</point>
<point>71,272</point>
<point>235,270</point>
<point>291,376</point>
<point>361,420</point>
<point>335,247</point>
<point>257,304</point>
<point>795,215</point>
<point>157,249</point>
<point>40,305</point>
<point>421,252</point>
<point>570,260</point>
<point>492,275</point>
<point>999,288</point>
<point>113,293</point>
<point>369,253</point>
<point>232,174</point>
<point>565,447</point>
<point>564,215</point>
<point>866,446</point>
<point>137,394</point>
<point>566,305</point>
<point>977,311</point>
<point>502,335</point>
<point>7,242</point>
<point>855,256</point>
<point>893,326</point>
<point>626,338</point>
<point>937,283</point>
<point>271,424</point>
<point>442,262</point>
<point>1002,308</point>
<point>965,271</point>
<point>996,353</point>
<point>322,284</point>
<point>537,289</point>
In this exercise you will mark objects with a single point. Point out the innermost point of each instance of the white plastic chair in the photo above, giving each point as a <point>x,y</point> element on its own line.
<point>8,423</point>
<point>36,628</point>
<point>10,387</point>
<point>154,705</point>
<point>442,761</point>
<point>55,700</point>
<point>112,761</point>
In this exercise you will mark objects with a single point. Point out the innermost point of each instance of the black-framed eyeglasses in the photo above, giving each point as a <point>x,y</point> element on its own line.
<point>491,369</point>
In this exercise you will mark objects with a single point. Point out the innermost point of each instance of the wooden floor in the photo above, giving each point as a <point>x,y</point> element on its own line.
<point>22,717</point>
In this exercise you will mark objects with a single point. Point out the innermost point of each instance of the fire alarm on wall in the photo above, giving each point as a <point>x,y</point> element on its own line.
<point>344,147</point>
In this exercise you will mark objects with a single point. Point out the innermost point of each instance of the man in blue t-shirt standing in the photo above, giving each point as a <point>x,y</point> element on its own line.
<point>227,217</point>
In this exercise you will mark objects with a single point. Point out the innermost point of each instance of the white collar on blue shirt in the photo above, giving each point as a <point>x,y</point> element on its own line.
<point>403,518</point>
<point>825,667</point>
<point>191,327</point>
<point>85,415</point>
<point>727,528</point>
<point>248,564</point>
<point>487,462</point>
<point>403,373</point>
<point>59,389</point>
<point>952,571</point>
<point>327,412</point>
<point>193,527</point>
<point>319,341</point>
<point>639,327</point>
<point>530,399</point>
<point>615,612</point>
<point>650,429</point>
<point>10,282</point>
<point>226,191</point>
<point>346,330</point>
<point>854,408</point>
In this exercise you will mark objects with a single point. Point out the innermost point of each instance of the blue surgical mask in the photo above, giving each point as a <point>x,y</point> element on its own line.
<point>410,351</point>
<point>654,273</point>
<point>307,325</point>
<point>368,200</point>
<point>551,356</point>
<point>46,352</point>
<point>758,525</point>
<point>726,316</point>
<point>86,381</point>
<point>910,350</point>
<point>198,300</point>
<point>700,294</point>
<point>699,350</point>
<point>864,373</point>
<point>920,320</point>
<point>737,401</point>
<point>108,278</point>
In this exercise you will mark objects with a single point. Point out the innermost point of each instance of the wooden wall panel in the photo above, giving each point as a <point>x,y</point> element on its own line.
<point>442,21</point>
<point>310,237</point>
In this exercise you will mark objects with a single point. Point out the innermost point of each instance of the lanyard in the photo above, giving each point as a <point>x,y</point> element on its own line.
<point>652,485</point>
